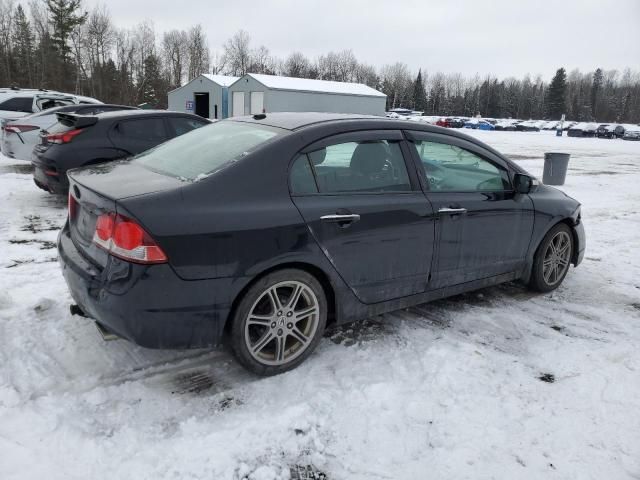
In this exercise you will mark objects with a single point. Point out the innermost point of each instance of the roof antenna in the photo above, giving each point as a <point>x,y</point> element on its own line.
<point>260,116</point>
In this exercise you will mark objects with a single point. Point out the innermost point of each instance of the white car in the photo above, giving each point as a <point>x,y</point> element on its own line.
<point>21,135</point>
<point>16,103</point>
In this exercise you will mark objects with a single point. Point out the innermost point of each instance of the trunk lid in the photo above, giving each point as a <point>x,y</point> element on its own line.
<point>96,190</point>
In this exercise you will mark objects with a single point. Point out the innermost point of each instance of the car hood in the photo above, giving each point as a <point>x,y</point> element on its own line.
<point>123,179</point>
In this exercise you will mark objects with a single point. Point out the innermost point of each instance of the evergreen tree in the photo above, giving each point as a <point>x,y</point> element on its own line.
<point>64,17</point>
<point>23,48</point>
<point>419,93</point>
<point>154,85</point>
<point>596,86</point>
<point>556,95</point>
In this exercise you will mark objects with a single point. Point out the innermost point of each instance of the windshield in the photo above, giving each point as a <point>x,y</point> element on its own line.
<point>207,149</point>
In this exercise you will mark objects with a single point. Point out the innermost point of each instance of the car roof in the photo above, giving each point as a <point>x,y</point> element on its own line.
<point>298,120</point>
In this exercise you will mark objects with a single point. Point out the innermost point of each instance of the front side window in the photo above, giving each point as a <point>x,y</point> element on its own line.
<point>18,104</point>
<point>449,168</point>
<point>363,166</point>
<point>206,150</point>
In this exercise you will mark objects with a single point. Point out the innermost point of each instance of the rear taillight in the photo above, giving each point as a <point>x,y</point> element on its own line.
<point>73,206</point>
<point>65,137</point>
<point>124,238</point>
<point>19,128</point>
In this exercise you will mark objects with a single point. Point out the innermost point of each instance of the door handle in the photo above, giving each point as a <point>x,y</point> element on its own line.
<point>452,211</point>
<point>343,220</point>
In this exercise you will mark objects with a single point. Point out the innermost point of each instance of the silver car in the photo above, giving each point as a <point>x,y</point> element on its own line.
<point>21,135</point>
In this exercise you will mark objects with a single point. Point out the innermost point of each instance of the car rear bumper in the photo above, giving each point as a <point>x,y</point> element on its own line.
<point>58,183</point>
<point>147,304</point>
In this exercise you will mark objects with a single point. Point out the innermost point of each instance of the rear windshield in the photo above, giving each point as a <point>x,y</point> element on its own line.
<point>207,149</point>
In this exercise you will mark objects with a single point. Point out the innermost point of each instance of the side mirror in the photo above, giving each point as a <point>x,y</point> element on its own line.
<point>524,183</point>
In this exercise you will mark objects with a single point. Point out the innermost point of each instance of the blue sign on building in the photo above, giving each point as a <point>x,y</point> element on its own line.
<point>189,105</point>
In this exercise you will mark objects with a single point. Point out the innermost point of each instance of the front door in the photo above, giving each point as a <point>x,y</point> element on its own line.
<point>483,227</point>
<point>202,104</point>
<point>365,209</point>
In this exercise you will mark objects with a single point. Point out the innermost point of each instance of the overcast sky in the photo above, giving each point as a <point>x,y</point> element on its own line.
<point>506,38</point>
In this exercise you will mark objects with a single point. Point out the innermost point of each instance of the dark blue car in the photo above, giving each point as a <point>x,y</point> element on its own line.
<point>262,231</point>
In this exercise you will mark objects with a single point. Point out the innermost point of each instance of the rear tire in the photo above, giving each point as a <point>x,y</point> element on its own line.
<point>552,259</point>
<point>278,322</point>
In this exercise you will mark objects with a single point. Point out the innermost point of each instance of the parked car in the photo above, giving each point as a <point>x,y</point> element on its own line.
<point>632,133</point>
<point>19,137</point>
<point>527,126</point>
<point>80,140</point>
<point>610,131</point>
<point>506,125</point>
<point>582,129</point>
<point>262,230</point>
<point>18,103</point>
<point>477,124</point>
<point>455,123</point>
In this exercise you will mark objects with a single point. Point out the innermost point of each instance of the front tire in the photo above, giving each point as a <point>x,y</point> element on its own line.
<point>279,322</point>
<point>552,259</point>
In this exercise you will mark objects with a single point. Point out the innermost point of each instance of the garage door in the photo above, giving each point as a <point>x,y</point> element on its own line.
<point>257,102</point>
<point>238,104</point>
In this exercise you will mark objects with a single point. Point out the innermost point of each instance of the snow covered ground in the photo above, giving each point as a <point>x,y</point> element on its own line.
<point>448,390</point>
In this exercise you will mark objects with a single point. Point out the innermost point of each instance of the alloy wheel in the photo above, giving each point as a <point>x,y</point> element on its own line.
<point>556,258</point>
<point>282,323</point>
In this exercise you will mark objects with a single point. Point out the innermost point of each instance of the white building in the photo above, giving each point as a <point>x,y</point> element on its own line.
<point>256,93</point>
<point>205,95</point>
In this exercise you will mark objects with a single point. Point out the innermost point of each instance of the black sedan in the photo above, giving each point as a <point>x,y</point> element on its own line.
<point>81,140</point>
<point>263,230</point>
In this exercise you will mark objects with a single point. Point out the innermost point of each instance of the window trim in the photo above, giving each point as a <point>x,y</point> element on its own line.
<point>477,150</point>
<point>359,136</point>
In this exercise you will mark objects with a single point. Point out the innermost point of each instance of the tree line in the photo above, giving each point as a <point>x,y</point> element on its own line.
<point>58,45</point>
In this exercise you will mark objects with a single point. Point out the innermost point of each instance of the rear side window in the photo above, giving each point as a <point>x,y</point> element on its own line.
<point>302,179</point>
<point>205,150</point>
<point>18,104</point>
<point>182,125</point>
<point>365,166</point>
<point>47,103</point>
<point>151,129</point>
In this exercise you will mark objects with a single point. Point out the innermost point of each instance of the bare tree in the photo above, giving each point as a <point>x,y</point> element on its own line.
<point>198,52</point>
<point>296,65</point>
<point>237,54</point>
<point>7,13</point>
<point>175,50</point>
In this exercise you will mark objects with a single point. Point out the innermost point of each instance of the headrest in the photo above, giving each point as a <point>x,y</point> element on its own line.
<point>369,158</point>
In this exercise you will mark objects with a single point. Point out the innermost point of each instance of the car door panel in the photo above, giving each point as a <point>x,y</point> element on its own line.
<point>386,253</point>
<point>379,242</point>
<point>479,234</point>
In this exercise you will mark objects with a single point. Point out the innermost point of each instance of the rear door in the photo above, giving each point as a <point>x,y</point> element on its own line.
<point>364,207</point>
<point>483,227</point>
<point>135,135</point>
